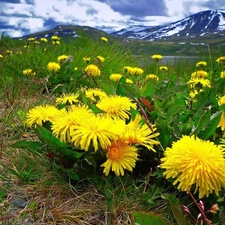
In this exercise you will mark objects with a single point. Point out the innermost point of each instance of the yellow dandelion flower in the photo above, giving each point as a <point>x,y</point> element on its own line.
<point>53,66</point>
<point>201,64</point>
<point>36,42</point>
<point>64,122</point>
<point>163,68</point>
<point>199,74</point>
<point>137,71</point>
<point>128,69</point>
<point>136,132</point>
<point>75,68</point>
<point>95,131</point>
<point>189,162</point>
<point>129,81</point>
<point>193,82</point>
<point>115,77</point>
<point>56,42</point>
<point>62,58</point>
<point>95,92</point>
<point>157,57</point>
<point>67,98</point>
<point>221,59</point>
<point>152,77</point>
<point>221,100</point>
<point>120,156</point>
<point>86,59</point>
<point>104,39</point>
<point>193,93</point>
<point>9,52</point>
<point>222,122</point>
<point>116,106</point>
<point>100,58</point>
<point>41,114</point>
<point>55,38</point>
<point>92,70</point>
<point>31,39</point>
<point>44,40</point>
<point>29,72</point>
<point>222,74</point>
<point>1,56</point>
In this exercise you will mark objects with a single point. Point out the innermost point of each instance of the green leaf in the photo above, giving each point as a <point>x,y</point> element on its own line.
<point>177,209</point>
<point>180,101</point>
<point>222,107</point>
<point>149,89</point>
<point>74,176</point>
<point>120,90</point>
<point>177,88</point>
<point>30,145</point>
<point>165,134</point>
<point>210,129</point>
<point>203,122</point>
<point>142,218</point>
<point>56,145</point>
<point>108,89</point>
<point>175,109</point>
<point>95,109</point>
<point>133,113</point>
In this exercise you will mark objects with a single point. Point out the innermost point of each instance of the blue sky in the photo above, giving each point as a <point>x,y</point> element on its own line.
<point>21,17</point>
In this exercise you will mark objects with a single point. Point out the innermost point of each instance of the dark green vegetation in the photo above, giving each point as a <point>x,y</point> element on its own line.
<point>38,188</point>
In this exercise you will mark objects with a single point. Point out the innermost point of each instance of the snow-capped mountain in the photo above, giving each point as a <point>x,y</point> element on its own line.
<point>201,24</point>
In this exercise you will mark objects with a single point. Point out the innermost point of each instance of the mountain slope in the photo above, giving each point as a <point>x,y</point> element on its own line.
<point>71,31</point>
<point>202,24</point>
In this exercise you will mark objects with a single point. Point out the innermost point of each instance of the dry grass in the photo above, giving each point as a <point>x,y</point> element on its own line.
<point>50,200</point>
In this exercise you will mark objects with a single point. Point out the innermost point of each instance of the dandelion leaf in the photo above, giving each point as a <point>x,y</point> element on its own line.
<point>65,151</point>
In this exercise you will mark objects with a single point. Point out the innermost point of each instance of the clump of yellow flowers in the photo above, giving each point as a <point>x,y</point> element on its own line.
<point>112,131</point>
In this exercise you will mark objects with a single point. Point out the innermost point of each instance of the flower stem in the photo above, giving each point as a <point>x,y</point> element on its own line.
<point>200,209</point>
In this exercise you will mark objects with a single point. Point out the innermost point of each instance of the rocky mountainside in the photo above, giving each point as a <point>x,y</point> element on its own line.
<point>199,25</point>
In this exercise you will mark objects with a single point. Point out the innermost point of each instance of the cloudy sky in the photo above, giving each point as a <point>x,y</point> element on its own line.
<point>20,17</point>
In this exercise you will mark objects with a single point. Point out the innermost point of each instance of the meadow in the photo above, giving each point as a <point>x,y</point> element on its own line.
<point>91,134</point>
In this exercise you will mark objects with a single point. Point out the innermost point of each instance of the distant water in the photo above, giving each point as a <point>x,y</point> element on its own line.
<point>171,59</point>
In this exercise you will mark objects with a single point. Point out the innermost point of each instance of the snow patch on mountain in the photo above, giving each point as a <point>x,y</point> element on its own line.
<point>196,25</point>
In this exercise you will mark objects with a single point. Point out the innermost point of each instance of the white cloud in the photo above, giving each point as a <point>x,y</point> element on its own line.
<point>18,9</point>
<point>62,11</point>
<point>85,12</point>
<point>13,33</point>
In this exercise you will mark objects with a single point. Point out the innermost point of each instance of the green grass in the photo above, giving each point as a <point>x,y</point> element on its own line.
<point>33,164</point>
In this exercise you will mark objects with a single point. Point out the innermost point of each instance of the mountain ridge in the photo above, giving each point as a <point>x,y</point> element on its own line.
<point>200,24</point>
